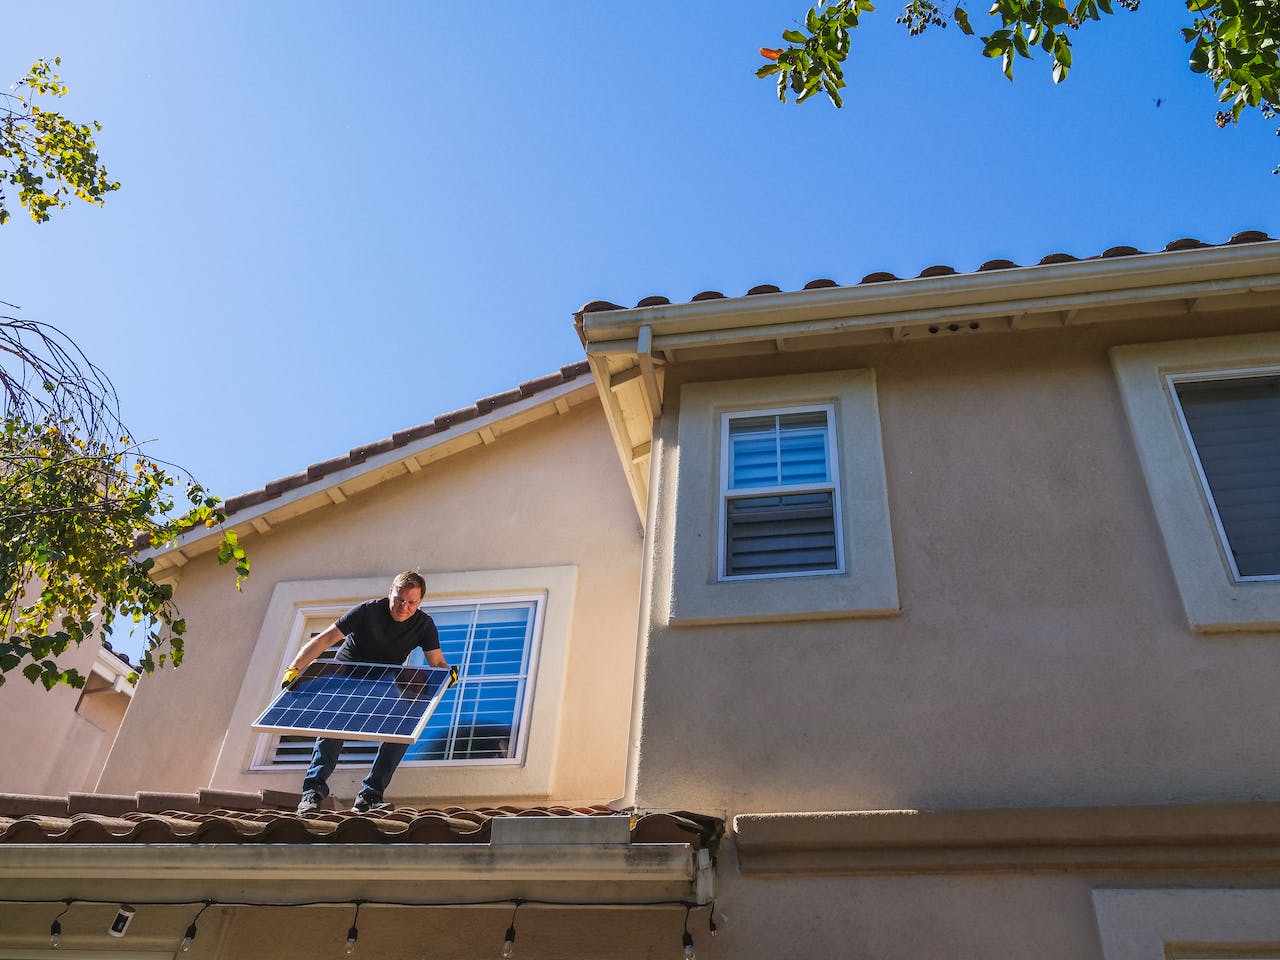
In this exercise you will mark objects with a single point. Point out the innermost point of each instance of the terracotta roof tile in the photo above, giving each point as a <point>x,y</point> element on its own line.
<point>149,802</point>
<point>944,270</point>
<point>100,803</point>
<point>1185,243</point>
<point>213,816</point>
<point>438,424</point>
<point>22,804</point>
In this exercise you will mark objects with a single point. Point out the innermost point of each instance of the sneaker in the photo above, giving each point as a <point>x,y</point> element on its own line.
<point>310,802</point>
<point>364,803</point>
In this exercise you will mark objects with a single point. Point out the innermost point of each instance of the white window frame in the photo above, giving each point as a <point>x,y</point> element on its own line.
<point>831,484</point>
<point>264,756</point>
<point>1214,600</point>
<point>688,590</point>
<point>282,629</point>
<point>1216,376</point>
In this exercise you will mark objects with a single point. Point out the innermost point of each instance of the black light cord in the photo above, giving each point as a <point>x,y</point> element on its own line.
<point>509,938</point>
<point>189,937</point>
<point>55,928</point>
<point>354,933</point>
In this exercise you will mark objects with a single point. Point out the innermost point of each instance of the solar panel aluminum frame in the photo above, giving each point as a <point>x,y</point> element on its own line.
<point>331,689</point>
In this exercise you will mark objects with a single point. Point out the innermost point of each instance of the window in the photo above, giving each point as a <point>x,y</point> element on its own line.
<point>779,499</point>
<point>780,502</point>
<point>1234,428</point>
<point>483,716</point>
<point>1200,412</point>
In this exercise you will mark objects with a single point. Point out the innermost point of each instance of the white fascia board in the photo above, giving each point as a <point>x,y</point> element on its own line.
<point>1074,285</point>
<point>113,670</point>
<point>266,872</point>
<point>242,520</point>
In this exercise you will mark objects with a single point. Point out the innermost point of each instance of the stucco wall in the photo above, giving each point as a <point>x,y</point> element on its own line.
<point>57,749</point>
<point>544,495</point>
<point>1041,655</point>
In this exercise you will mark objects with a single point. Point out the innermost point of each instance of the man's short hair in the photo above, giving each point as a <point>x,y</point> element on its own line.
<point>410,579</point>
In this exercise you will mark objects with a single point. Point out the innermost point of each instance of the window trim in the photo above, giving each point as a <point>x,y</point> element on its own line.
<point>264,754</point>
<point>685,578</point>
<point>1184,923</point>
<point>282,620</point>
<point>832,485</point>
<point>1214,601</point>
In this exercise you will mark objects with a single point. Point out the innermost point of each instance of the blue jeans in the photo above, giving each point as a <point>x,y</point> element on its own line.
<point>325,757</point>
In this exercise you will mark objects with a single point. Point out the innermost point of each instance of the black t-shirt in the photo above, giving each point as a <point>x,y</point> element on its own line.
<point>373,637</point>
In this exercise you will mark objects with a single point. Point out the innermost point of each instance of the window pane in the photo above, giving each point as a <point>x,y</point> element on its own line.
<point>781,534</point>
<point>787,449</point>
<point>1235,426</point>
<point>479,717</point>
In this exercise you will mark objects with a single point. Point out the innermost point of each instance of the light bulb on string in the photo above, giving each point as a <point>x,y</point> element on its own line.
<point>354,933</point>
<point>190,936</point>
<point>55,928</point>
<point>686,941</point>
<point>509,938</point>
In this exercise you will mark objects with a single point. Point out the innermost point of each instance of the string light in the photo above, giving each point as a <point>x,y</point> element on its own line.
<point>686,941</point>
<point>354,933</point>
<point>55,928</point>
<point>190,936</point>
<point>509,940</point>
<point>125,913</point>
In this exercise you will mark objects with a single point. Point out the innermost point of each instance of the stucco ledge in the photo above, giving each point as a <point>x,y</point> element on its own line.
<point>1160,836</point>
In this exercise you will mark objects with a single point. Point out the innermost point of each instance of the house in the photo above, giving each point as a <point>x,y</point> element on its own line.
<point>913,617</point>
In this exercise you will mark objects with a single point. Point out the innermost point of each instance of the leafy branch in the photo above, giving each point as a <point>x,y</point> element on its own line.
<point>1234,42</point>
<point>48,158</point>
<point>78,499</point>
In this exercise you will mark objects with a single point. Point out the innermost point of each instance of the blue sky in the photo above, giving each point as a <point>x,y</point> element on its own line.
<point>339,220</point>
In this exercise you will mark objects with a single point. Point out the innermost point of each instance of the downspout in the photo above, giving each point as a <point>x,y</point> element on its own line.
<point>628,799</point>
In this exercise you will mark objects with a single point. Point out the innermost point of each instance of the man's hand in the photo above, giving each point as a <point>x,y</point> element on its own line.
<point>290,675</point>
<point>453,676</point>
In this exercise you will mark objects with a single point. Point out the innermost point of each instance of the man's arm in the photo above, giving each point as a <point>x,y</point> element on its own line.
<point>436,658</point>
<point>314,647</point>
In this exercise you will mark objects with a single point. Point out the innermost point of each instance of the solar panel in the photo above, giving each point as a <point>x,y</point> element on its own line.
<point>351,700</point>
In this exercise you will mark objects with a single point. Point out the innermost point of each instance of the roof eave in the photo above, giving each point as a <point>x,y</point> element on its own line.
<point>577,873</point>
<point>625,346</point>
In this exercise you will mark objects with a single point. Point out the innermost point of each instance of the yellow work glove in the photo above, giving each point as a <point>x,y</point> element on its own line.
<point>453,676</point>
<point>290,675</point>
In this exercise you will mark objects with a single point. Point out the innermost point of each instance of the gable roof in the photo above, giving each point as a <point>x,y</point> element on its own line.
<point>405,451</point>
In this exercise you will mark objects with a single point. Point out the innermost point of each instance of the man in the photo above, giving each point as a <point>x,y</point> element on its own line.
<point>376,631</point>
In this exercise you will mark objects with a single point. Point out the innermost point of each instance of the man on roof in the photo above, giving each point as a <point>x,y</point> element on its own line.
<point>386,630</point>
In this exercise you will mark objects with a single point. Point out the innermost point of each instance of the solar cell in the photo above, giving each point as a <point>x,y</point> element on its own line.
<point>351,700</point>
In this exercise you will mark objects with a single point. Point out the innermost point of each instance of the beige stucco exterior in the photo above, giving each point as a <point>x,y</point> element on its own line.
<point>1040,654</point>
<point>539,512</point>
<point>59,739</point>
